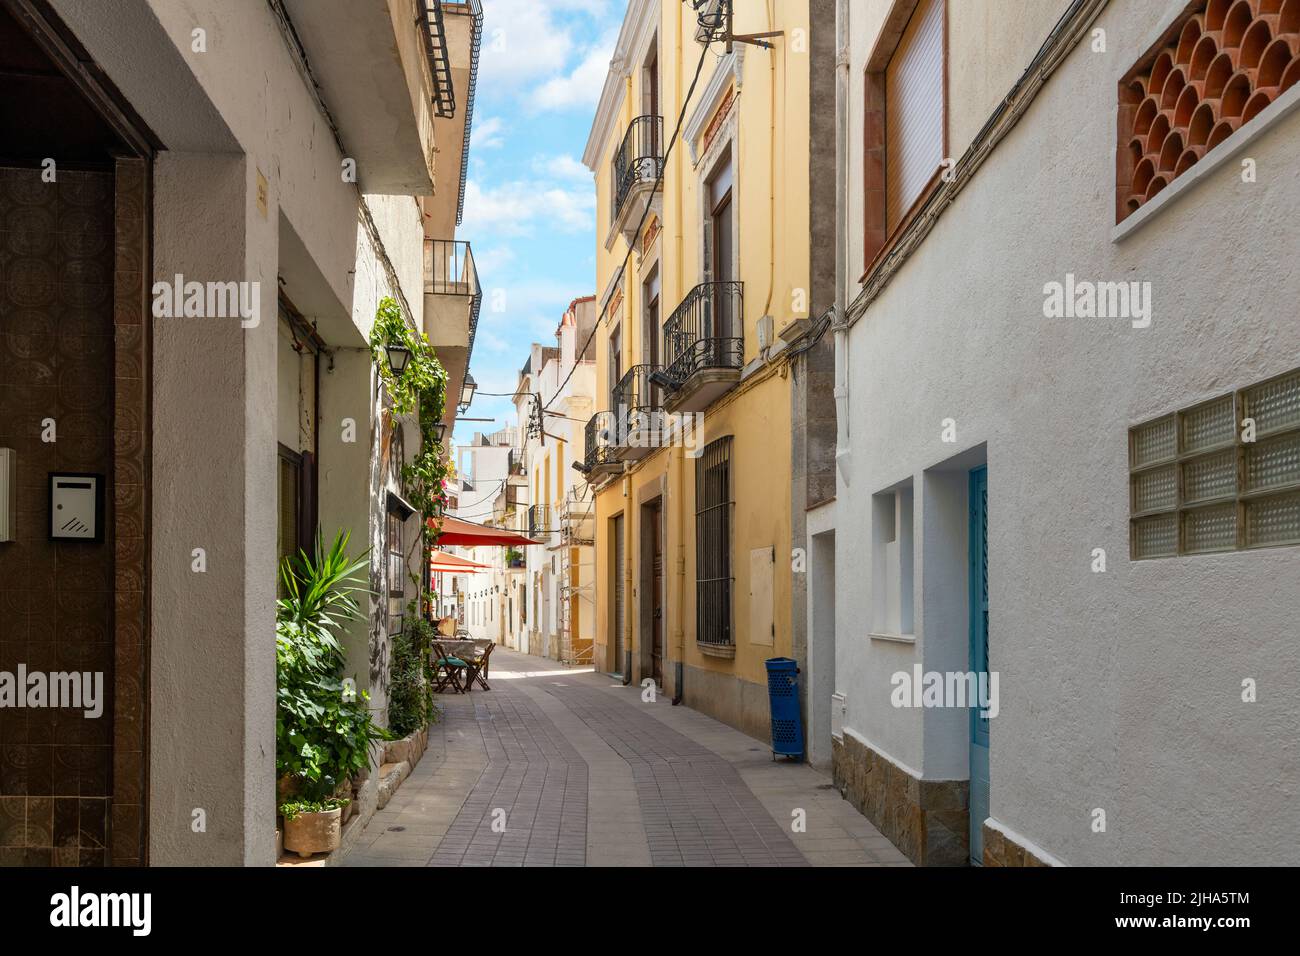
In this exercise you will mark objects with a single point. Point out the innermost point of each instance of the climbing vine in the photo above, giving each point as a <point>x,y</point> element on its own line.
<point>420,389</point>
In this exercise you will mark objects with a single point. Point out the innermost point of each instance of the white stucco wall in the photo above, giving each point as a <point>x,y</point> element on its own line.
<point>226,115</point>
<point>1119,690</point>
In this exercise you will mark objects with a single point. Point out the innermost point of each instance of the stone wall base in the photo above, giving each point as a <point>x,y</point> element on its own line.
<point>928,820</point>
<point>1002,850</point>
<point>725,697</point>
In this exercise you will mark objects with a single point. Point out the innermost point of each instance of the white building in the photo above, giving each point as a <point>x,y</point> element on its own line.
<point>491,493</point>
<point>558,593</point>
<point>1068,406</point>
<point>228,146</point>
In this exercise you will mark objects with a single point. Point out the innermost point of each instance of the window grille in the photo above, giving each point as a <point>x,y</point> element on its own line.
<point>713,544</point>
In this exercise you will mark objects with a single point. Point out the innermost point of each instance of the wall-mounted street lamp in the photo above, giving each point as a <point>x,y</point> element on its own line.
<point>398,356</point>
<point>439,431</point>
<point>467,393</point>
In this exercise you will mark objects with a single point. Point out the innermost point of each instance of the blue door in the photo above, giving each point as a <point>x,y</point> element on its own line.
<point>979,657</point>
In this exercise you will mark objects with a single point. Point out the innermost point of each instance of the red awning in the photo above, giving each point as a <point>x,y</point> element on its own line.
<point>454,563</point>
<point>459,531</point>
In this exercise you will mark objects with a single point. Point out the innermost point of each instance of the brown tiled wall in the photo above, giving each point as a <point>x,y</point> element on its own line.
<point>72,349</point>
<point>131,468</point>
<point>56,599</point>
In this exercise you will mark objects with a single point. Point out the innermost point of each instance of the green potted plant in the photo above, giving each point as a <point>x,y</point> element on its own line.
<point>410,694</point>
<point>324,730</point>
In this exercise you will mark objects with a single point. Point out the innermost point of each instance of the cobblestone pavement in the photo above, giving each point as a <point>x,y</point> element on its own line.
<point>562,767</point>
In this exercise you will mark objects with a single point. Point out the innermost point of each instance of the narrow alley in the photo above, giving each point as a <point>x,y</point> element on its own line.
<point>566,767</point>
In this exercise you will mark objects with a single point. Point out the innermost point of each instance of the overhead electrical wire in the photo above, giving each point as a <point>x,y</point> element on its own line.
<point>681,118</point>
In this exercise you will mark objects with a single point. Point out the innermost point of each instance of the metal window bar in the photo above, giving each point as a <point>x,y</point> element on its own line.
<point>396,575</point>
<point>449,270</point>
<point>600,432</point>
<point>713,544</point>
<point>639,159</point>
<point>706,331</point>
<point>539,520</point>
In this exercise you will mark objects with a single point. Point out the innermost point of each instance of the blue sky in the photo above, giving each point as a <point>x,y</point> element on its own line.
<point>529,201</point>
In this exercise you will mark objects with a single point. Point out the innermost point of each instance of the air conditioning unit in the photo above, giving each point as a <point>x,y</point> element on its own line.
<point>8,492</point>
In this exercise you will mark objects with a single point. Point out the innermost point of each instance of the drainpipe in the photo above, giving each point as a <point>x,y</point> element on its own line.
<point>771,173</point>
<point>840,326</point>
<point>679,452</point>
<point>627,577</point>
<point>679,504</point>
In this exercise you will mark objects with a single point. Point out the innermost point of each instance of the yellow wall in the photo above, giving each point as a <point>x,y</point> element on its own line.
<point>771,149</point>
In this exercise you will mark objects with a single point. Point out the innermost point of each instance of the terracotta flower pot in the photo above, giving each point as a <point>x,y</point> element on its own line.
<point>311,833</point>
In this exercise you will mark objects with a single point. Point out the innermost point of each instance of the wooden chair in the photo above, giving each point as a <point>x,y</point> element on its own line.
<point>478,669</point>
<point>449,669</point>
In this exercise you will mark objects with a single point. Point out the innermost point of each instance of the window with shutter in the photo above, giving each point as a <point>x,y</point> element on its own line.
<point>905,122</point>
<point>292,507</point>
<point>396,574</point>
<point>914,111</point>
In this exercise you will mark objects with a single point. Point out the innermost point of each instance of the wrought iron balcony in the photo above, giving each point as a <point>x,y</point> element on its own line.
<point>705,344</point>
<point>638,402</point>
<point>539,520</point>
<point>516,464</point>
<point>638,161</point>
<point>600,434</point>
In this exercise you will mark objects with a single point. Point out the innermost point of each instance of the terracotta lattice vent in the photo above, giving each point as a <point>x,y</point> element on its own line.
<point>1217,68</point>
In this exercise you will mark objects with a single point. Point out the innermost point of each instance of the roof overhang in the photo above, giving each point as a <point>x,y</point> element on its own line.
<point>370,61</point>
<point>638,26</point>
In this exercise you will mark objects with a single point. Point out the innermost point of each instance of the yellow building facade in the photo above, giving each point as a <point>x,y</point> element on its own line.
<point>705,292</point>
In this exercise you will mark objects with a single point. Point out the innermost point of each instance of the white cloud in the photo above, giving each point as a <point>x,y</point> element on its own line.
<point>562,167</point>
<point>487,133</point>
<point>514,208</point>
<point>521,41</point>
<point>581,87</point>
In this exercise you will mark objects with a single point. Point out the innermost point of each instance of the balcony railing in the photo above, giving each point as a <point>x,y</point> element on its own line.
<point>639,159</point>
<point>539,520</point>
<point>637,401</point>
<point>706,331</point>
<point>601,429</point>
<point>516,464</point>
<point>449,270</point>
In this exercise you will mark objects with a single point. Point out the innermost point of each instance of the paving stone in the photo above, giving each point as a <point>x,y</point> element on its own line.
<point>581,772</point>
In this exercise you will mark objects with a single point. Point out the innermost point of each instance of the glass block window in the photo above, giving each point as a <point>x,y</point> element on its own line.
<point>1223,475</point>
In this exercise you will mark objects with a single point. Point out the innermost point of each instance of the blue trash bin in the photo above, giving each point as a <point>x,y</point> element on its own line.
<point>783,692</point>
